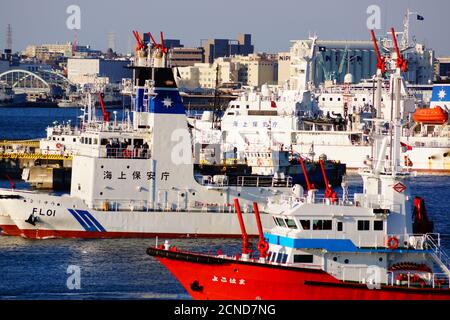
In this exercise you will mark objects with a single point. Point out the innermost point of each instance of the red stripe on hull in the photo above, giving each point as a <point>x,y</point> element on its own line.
<point>43,234</point>
<point>10,230</point>
<point>270,282</point>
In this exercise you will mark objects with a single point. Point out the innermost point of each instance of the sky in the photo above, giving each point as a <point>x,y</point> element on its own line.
<point>272,23</point>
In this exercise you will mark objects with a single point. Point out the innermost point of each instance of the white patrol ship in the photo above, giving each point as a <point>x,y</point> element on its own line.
<point>135,178</point>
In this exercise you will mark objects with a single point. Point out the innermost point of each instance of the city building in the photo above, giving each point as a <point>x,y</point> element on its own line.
<point>284,67</point>
<point>334,58</point>
<point>251,70</point>
<point>82,71</point>
<point>442,68</point>
<point>216,48</point>
<point>48,51</point>
<point>168,43</point>
<point>182,57</point>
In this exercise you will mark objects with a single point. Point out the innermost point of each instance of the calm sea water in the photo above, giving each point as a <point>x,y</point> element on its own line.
<point>120,268</point>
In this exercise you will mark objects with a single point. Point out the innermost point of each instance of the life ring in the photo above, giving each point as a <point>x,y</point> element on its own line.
<point>58,145</point>
<point>392,243</point>
<point>263,246</point>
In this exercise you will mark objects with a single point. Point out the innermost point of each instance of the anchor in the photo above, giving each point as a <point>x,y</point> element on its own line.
<point>32,219</point>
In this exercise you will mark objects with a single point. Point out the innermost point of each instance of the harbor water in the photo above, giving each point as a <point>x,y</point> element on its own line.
<point>120,268</point>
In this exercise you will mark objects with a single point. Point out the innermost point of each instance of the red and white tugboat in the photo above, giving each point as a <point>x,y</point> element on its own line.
<point>369,247</point>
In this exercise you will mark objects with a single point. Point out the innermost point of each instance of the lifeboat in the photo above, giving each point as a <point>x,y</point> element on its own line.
<point>434,115</point>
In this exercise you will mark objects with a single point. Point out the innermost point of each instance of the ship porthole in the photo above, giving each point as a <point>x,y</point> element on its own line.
<point>380,259</point>
<point>346,261</point>
<point>335,259</point>
<point>235,270</point>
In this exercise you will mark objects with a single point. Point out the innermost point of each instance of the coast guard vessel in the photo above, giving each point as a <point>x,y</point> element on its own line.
<point>135,178</point>
<point>377,245</point>
<point>335,121</point>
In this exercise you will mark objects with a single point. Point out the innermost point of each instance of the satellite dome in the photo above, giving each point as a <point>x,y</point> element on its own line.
<point>265,90</point>
<point>348,78</point>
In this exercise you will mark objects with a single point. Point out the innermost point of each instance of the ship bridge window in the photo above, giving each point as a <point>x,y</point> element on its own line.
<point>363,225</point>
<point>291,223</point>
<point>322,225</point>
<point>95,141</point>
<point>303,258</point>
<point>282,257</point>
<point>339,226</point>
<point>104,142</point>
<point>378,225</point>
<point>306,224</point>
<point>230,113</point>
<point>274,254</point>
<point>280,222</point>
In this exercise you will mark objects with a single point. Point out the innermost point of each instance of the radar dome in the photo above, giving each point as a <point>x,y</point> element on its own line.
<point>297,190</point>
<point>348,78</point>
<point>265,90</point>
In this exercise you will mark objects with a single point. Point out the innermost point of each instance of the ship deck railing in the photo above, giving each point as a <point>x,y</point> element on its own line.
<point>374,277</point>
<point>125,153</point>
<point>358,200</point>
<point>160,206</point>
<point>246,181</point>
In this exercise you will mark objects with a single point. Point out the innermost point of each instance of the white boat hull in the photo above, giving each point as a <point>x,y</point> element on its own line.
<point>66,217</point>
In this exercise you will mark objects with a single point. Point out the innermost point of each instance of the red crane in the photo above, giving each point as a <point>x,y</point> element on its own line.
<point>104,112</point>
<point>140,43</point>
<point>329,192</point>
<point>308,185</point>
<point>246,246</point>
<point>401,62</point>
<point>381,64</point>
<point>263,246</point>
<point>158,45</point>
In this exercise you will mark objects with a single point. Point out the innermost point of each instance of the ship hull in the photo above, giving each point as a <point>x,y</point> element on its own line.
<point>214,278</point>
<point>65,217</point>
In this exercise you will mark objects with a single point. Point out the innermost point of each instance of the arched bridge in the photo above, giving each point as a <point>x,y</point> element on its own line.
<point>24,81</point>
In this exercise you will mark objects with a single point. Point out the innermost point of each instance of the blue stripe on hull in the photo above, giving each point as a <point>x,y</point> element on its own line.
<point>87,221</point>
